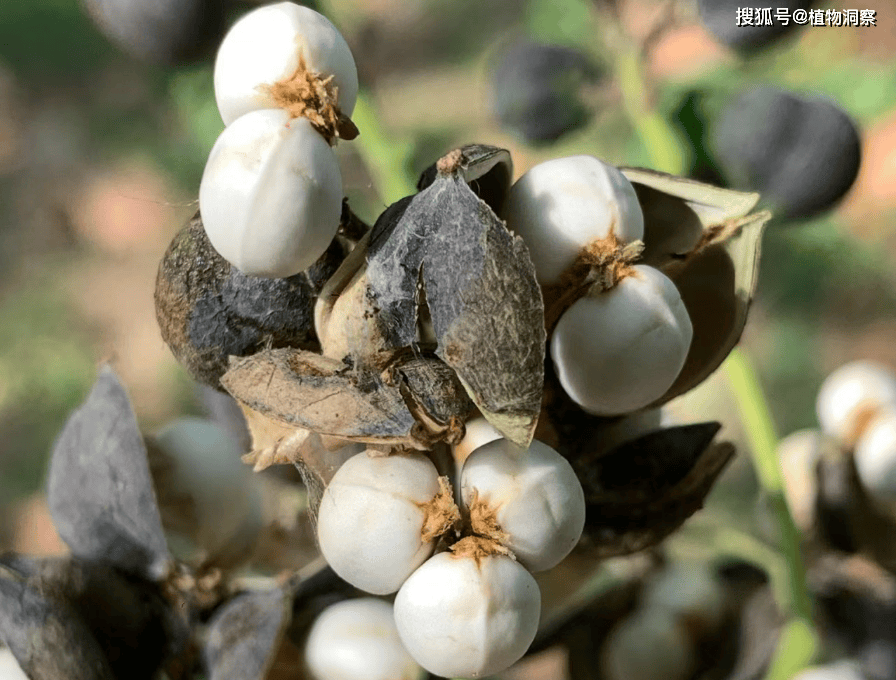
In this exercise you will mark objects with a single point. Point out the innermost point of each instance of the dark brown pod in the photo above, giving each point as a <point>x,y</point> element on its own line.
<point>208,310</point>
<point>487,169</point>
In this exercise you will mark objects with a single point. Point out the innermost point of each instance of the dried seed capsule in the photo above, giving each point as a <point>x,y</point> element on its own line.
<point>271,194</point>
<point>720,19</point>
<point>619,350</point>
<point>379,518</point>
<point>357,640</point>
<point>468,615</point>
<point>562,206</point>
<point>528,500</point>
<point>271,44</point>
<point>799,454</point>
<point>851,396</point>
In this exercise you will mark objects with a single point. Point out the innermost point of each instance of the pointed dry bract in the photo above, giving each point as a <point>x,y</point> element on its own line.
<point>100,490</point>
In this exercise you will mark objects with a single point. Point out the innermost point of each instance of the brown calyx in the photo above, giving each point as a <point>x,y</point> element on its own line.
<point>442,512</point>
<point>484,519</point>
<point>307,94</point>
<point>478,547</point>
<point>600,265</point>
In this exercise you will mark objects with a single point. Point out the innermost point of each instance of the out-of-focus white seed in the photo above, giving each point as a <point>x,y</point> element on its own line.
<point>650,644</point>
<point>529,498</point>
<point>841,670</point>
<point>264,47</point>
<point>561,206</point>
<point>371,519</point>
<point>875,459</point>
<point>618,350</point>
<point>271,194</point>
<point>9,667</point>
<point>468,617</point>
<point>691,592</point>
<point>799,454</point>
<point>851,396</point>
<point>226,497</point>
<point>357,640</point>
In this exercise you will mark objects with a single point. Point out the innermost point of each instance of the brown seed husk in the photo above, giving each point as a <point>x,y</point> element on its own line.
<point>600,266</point>
<point>307,94</point>
<point>484,519</point>
<point>442,512</point>
<point>477,548</point>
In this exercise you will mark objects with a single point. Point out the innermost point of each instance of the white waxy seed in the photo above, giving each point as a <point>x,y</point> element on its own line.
<point>264,46</point>
<point>371,519</point>
<point>458,618</point>
<point>691,592</point>
<point>226,494</point>
<point>562,205</point>
<point>851,395</point>
<point>619,350</point>
<point>533,494</point>
<point>357,640</point>
<point>799,454</point>
<point>841,670</point>
<point>650,644</point>
<point>875,459</point>
<point>478,432</point>
<point>9,667</point>
<point>271,194</point>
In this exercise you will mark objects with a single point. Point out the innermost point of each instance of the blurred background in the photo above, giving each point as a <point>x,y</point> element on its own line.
<point>101,156</point>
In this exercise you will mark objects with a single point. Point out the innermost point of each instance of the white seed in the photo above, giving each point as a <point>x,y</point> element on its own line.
<point>372,516</point>
<point>478,432</point>
<point>357,640</point>
<point>463,617</point>
<point>841,670</point>
<point>205,467</point>
<point>648,645</point>
<point>534,496</point>
<point>851,395</point>
<point>562,205</point>
<point>691,592</point>
<point>264,47</point>
<point>619,350</point>
<point>9,667</point>
<point>799,454</point>
<point>271,194</point>
<point>875,458</point>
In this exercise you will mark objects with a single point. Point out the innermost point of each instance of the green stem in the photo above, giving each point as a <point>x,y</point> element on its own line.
<point>387,160</point>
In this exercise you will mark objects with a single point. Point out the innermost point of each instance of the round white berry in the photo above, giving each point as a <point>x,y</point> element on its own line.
<point>851,395</point>
<point>561,206</point>
<point>467,616</point>
<point>357,640</point>
<point>478,432</point>
<point>691,592</point>
<point>650,644</point>
<point>799,454</point>
<point>202,463</point>
<point>875,458</point>
<point>619,350</point>
<point>9,667</point>
<point>371,519</point>
<point>530,498</point>
<point>265,47</point>
<point>271,194</point>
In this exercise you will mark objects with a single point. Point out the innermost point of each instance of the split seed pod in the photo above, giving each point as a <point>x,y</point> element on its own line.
<point>487,315</point>
<point>208,310</point>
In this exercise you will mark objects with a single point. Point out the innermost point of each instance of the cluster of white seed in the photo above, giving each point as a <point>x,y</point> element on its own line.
<point>271,194</point>
<point>621,344</point>
<point>467,604</point>
<point>856,410</point>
